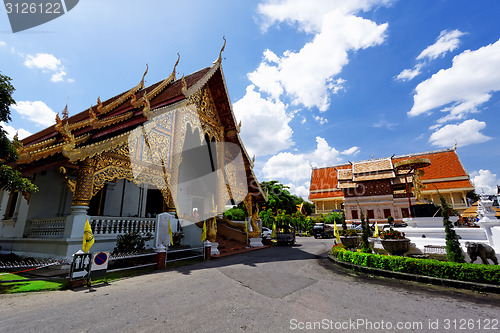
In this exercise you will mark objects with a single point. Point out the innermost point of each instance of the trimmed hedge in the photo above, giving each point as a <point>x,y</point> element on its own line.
<point>429,267</point>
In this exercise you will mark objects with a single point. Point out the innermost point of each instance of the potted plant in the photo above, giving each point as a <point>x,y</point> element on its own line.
<point>349,238</point>
<point>177,237</point>
<point>394,242</point>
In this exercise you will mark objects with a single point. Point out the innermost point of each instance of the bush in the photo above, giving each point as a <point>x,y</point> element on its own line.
<point>131,242</point>
<point>428,267</point>
<point>349,232</point>
<point>392,234</point>
<point>235,214</point>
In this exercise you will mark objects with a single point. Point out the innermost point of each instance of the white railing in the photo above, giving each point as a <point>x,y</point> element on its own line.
<point>46,228</point>
<point>106,225</point>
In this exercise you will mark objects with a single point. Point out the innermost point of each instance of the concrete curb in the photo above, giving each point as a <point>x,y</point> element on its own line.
<point>487,288</point>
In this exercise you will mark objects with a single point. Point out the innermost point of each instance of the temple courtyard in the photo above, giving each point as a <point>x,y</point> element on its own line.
<point>275,289</point>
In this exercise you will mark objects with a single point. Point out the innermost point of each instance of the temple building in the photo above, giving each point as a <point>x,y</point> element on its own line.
<point>173,146</point>
<point>390,186</point>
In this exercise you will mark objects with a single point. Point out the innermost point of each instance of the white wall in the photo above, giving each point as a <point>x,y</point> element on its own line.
<point>53,198</point>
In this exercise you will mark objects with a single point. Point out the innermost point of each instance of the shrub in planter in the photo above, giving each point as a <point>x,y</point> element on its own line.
<point>394,242</point>
<point>349,232</point>
<point>392,234</point>
<point>177,237</point>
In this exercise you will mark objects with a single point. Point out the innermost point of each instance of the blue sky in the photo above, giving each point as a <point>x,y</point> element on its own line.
<point>315,83</point>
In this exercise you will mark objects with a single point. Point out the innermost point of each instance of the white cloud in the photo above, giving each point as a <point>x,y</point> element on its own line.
<point>308,76</point>
<point>265,125</point>
<point>464,134</point>
<point>446,42</point>
<point>320,120</point>
<point>409,74</point>
<point>58,77</point>
<point>309,14</point>
<point>43,61</point>
<point>294,167</point>
<point>485,181</point>
<point>300,190</point>
<point>351,151</point>
<point>48,63</point>
<point>297,167</point>
<point>385,124</point>
<point>11,131</point>
<point>2,43</point>
<point>38,112</point>
<point>294,170</point>
<point>470,81</point>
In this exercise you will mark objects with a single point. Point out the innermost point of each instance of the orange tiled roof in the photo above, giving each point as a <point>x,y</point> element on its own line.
<point>328,194</point>
<point>448,185</point>
<point>444,164</point>
<point>326,178</point>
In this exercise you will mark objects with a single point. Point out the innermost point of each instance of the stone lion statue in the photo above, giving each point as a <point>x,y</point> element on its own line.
<point>482,251</point>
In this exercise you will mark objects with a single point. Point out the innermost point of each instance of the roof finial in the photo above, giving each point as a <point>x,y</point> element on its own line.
<point>144,75</point>
<point>223,47</point>
<point>184,85</point>
<point>455,146</point>
<point>99,104</point>
<point>65,112</point>
<point>175,66</point>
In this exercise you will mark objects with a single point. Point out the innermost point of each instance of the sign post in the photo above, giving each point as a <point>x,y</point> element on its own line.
<point>80,267</point>
<point>99,264</point>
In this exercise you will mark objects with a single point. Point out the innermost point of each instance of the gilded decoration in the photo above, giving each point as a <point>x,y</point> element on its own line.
<point>70,182</point>
<point>84,183</point>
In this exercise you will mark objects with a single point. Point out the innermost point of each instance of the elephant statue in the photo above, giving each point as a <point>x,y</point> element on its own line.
<point>482,251</point>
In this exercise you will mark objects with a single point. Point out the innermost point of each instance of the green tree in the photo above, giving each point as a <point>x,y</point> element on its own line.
<point>235,214</point>
<point>10,179</point>
<point>267,217</point>
<point>279,197</point>
<point>453,250</point>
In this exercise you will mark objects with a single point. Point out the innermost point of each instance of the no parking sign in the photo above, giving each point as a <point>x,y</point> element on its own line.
<point>99,264</point>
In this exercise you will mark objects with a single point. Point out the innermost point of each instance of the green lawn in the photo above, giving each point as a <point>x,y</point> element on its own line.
<point>20,287</point>
<point>61,284</point>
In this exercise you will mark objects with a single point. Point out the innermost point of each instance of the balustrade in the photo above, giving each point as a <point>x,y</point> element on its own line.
<point>104,225</point>
<point>46,228</point>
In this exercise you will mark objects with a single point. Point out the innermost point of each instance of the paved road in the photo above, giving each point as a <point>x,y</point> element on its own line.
<point>271,290</point>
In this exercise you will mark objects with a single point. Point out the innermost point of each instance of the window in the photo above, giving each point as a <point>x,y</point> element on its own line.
<point>11,205</point>
<point>371,214</point>
<point>387,213</point>
<point>405,212</point>
<point>354,213</point>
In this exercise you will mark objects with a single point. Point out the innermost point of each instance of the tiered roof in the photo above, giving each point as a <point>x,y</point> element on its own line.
<point>445,172</point>
<point>117,116</point>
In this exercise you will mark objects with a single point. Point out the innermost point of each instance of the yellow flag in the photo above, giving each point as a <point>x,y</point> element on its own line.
<point>88,237</point>
<point>273,233</point>
<point>336,231</point>
<point>170,236</point>
<point>375,234</point>
<point>204,232</point>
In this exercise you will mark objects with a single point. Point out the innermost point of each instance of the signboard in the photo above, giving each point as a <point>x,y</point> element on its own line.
<point>99,264</point>
<point>80,267</point>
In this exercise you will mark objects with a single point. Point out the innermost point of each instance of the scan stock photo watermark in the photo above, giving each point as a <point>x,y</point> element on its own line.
<point>27,14</point>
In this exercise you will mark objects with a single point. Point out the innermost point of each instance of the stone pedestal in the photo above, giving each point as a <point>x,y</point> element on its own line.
<point>256,242</point>
<point>161,253</point>
<point>214,248</point>
<point>489,222</point>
